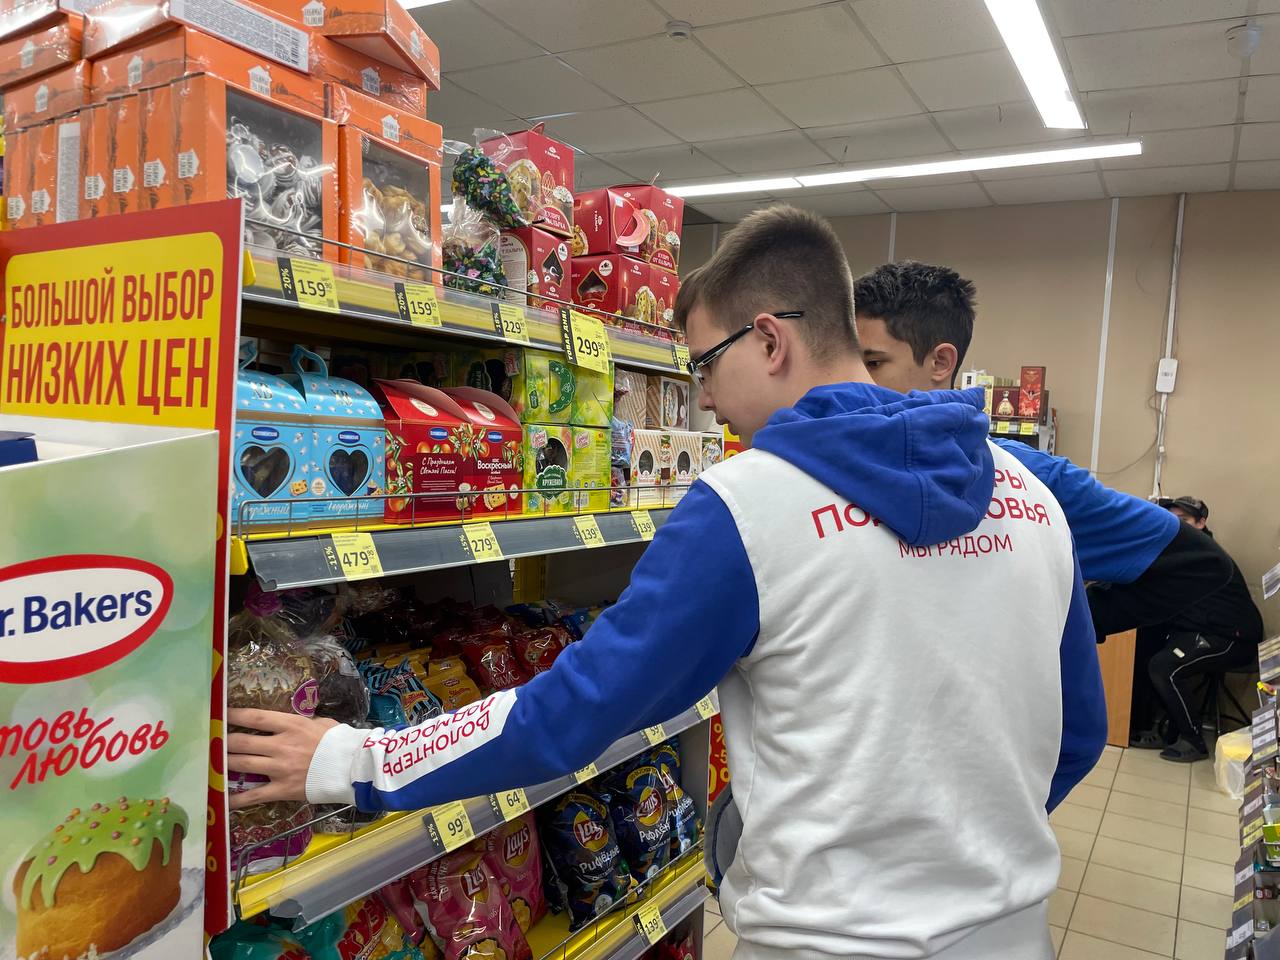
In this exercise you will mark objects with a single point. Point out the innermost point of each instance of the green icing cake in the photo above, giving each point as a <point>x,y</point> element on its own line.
<point>126,827</point>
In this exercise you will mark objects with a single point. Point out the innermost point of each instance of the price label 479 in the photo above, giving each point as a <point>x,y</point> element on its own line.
<point>356,555</point>
<point>308,283</point>
<point>480,541</point>
<point>649,920</point>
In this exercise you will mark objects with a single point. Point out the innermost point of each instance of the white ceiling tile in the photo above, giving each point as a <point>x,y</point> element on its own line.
<point>604,131</point>
<point>792,46</point>
<point>652,69</point>
<point>1180,148</point>
<point>924,29</point>
<point>717,116</point>
<point>1075,17</point>
<point>875,94</point>
<point>1262,102</point>
<point>979,128</point>
<point>1260,141</point>
<point>1266,59</point>
<point>936,198</point>
<point>1160,180</point>
<point>773,151</point>
<point>469,37</point>
<point>668,164</point>
<point>1174,107</point>
<point>591,172</point>
<point>455,106</point>
<point>731,211</point>
<point>1258,175</point>
<point>857,203</point>
<point>701,12</point>
<point>562,25</point>
<point>1137,58</point>
<point>1070,186</point>
<point>533,88</point>
<point>972,80</point>
<point>880,140</point>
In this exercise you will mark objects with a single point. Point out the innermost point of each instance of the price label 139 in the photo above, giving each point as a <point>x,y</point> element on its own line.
<point>649,920</point>
<point>643,522</point>
<point>308,283</point>
<point>589,531</point>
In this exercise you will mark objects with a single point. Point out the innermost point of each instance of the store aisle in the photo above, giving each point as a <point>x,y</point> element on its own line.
<point>1147,854</point>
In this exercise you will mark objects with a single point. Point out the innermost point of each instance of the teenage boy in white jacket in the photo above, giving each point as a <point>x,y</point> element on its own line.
<point>882,595</point>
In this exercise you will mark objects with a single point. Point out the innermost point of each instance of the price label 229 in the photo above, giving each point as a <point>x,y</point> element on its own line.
<point>452,826</point>
<point>509,804</point>
<point>508,322</point>
<point>308,283</point>
<point>480,541</point>
<point>417,304</point>
<point>649,919</point>
<point>589,531</point>
<point>357,555</point>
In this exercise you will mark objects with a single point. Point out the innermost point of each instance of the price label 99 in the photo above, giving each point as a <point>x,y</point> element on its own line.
<point>453,826</point>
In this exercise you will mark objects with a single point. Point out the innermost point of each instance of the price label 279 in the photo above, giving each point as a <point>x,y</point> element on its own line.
<point>452,826</point>
<point>589,531</point>
<point>356,555</point>
<point>480,541</point>
<point>649,919</point>
<point>509,804</point>
<point>308,283</point>
<point>417,304</point>
<point>508,322</point>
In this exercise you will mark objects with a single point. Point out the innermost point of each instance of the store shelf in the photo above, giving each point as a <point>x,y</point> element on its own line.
<point>282,562</point>
<point>336,870</point>
<point>370,298</point>
<point>1014,428</point>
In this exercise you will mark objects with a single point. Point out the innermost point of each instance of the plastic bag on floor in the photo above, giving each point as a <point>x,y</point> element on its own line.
<point>1230,755</point>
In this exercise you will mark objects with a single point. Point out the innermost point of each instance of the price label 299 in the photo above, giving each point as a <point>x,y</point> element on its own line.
<point>509,804</point>
<point>417,304</point>
<point>508,322</point>
<point>308,283</point>
<point>452,826</point>
<point>480,541</point>
<point>356,555</point>
<point>649,919</point>
<point>585,342</point>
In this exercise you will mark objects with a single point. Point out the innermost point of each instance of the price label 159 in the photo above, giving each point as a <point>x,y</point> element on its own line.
<point>308,283</point>
<point>649,920</point>
<point>479,540</point>
<point>417,304</point>
<point>706,709</point>
<point>357,555</point>
<point>655,734</point>
<point>509,804</point>
<point>508,322</point>
<point>586,773</point>
<point>585,342</point>
<point>589,531</point>
<point>452,826</point>
<point>643,523</point>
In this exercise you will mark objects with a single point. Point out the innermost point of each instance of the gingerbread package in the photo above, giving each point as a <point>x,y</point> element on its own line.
<point>540,171</point>
<point>382,30</point>
<point>50,95</point>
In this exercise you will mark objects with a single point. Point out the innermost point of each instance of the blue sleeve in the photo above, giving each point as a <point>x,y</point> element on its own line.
<point>690,612</point>
<point>1084,704</point>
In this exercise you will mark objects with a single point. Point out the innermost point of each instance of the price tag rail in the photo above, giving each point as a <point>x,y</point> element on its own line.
<point>338,869</point>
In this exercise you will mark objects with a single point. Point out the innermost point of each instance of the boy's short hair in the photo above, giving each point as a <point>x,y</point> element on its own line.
<point>778,259</point>
<point>921,304</point>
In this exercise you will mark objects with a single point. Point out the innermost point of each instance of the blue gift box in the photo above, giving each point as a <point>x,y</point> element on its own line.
<point>16,448</point>
<point>274,449</point>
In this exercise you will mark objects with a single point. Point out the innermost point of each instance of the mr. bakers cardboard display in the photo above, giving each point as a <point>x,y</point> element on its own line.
<point>494,446</point>
<point>347,463</point>
<point>1031,392</point>
<point>425,453</point>
<point>615,284</point>
<point>398,89</point>
<point>274,451</point>
<point>50,47</point>
<point>389,176</point>
<point>667,404</point>
<point>687,454</point>
<point>116,139</point>
<point>537,265</point>
<point>540,171</point>
<point>640,220</point>
<point>50,95</point>
<point>547,454</point>
<point>380,29</point>
<point>589,453</point>
<point>652,463</point>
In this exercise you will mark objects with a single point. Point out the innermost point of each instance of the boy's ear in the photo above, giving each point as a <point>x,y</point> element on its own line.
<point>943,362</point>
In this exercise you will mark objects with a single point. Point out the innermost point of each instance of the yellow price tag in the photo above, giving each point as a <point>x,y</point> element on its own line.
<point>1244,901</point>
<point>508,322</point>
<point>509,804</point>
<point>589,531</point>
<point>417,304</point>
<point>586,773</point>
<point>308,283</point>
<point>248,272</point>
<point>643,523</point>
<point>481,541</point>
<point>1027,429</point>
<point>706,709</point>
<point>453,825</point>
<point>649,920</point>
<point>1002,426</point>
<point>680,357</point>
<point>357,555</point>
<point>655,734</point>
<point>585,342</point>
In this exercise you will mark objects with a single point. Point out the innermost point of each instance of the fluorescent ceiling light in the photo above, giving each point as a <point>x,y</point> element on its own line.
<point>735,186</point>
<point>1025,34</point>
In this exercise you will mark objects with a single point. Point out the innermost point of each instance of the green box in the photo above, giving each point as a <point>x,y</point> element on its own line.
<point>589,465</point>
<point>540,386</point>
<point>547,460</point>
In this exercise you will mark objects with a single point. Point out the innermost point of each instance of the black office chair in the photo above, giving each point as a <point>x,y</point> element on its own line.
<point>1215,687</point>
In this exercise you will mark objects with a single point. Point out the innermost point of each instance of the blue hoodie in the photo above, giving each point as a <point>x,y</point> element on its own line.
<point>919,463</point>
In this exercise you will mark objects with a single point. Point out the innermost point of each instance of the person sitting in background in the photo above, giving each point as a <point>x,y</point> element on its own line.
<point>1219,631</point>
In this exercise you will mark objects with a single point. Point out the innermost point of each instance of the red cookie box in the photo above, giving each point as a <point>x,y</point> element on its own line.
<point>541,173</point>
<point>608,217</point>
<point>538,263</point>
<point>50,95</point>
<point>612,283</point>
<point>1030,400</point>
<point>665,286</point>
<point>495,448</point>
<point>424,456</point>
<point>46,48</point>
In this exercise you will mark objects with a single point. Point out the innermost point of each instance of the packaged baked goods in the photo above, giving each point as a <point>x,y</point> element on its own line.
<point>342,694</point>
<point>470,253</point>
<point>514,856</point>
<point>638,807</point>
<point>686,825</point>
<point>537,266</point>
<point>587,871</point>
<point>365,930</point>
<point>493,662</point>
<point>50,95</point>
<point>538,647</point>
<point>469,916</point>
<point>49,48</point>
<point>451,684</point>
<point>397,696</point>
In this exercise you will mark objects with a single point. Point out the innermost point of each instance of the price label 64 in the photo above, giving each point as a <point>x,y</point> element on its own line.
<point>509,804</point>
<point>480,541</point>
<point>649,920</point>
<point>356,555</point>
<point>452,826</point>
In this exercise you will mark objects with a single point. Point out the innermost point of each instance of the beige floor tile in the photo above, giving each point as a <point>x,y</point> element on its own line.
<point>1076,817</point>
<point>1135,858</point>
<point>719,944</point>
<point>1057,933</point>
<point>1218,849</point>
<point>1108,761</point>
<point>1205,875</point>
<point>1138,785</point>
<point>1131,889</point>
<point>1133,830</point>
<point>1120,924</point>
<point>1083,795</point>
<point>1079,946</point>
<point>1060,904</point>
<point>710,924</point>
<point>1074,843</point>
<point>1202,774</point>
<point>1072,873</point>
<point>1146,764</point>
<point>1214,824</point>
<point>1100,777</point>
<point>1196,942</point>
<point>1215,800</point>
<point>1146,808</point>
<point>713,906</point>
<point>1201,906</point>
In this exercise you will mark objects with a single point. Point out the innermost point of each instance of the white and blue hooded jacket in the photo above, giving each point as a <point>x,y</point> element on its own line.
<point>891,609</point>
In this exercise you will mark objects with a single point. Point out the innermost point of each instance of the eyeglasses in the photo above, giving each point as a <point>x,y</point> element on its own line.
<point>704,360</point>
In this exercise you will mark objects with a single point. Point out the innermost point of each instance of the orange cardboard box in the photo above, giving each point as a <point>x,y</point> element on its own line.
<point>114,23</point>
<point>18,173</point>
<point>157,158</point>
<point>342,65</point>
<point>42,173</point>
<point>29,55</point>
<point>185,51</point>
<point>115,153</point>
<point>19,16</point>
<point>389,193</point>
<point>51,95</point>
<point>68,187</point>
<point>380,29</point>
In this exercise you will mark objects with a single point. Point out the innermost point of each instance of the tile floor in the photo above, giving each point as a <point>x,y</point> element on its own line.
<point>1148,848</point>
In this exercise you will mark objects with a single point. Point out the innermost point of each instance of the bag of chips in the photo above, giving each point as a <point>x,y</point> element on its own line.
<point>384,708</point>
<point>363,930</point>
<point>641,820</point>
<point>579,621</point>
<point>587,872</point>
<point>686,825</point>
<point>493,662</point>
<point>538,648</point>
<point>678,947</point>
<point>448,680</point>
<point>470,917</point>
<point>514,856</point>
<point>399,681</point>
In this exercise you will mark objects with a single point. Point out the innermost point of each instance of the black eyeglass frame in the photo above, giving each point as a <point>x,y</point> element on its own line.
<point>707,357</point>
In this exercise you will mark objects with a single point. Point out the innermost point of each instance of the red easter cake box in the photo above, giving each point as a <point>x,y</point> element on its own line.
<point>495,448</point>
<point>536,262</point>
<point>639,220</point>
<point>1032,390</point>
<point>541,173</point>
<point>665,285</point>
<point>425,434</point>
<point>614,284</point>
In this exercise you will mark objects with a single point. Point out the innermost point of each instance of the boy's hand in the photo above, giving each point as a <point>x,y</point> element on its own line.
<point>283,755</point>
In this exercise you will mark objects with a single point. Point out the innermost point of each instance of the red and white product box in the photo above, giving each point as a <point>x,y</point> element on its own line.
<point>615,284</point>
<point>541,173</point>
<point>494,449</point>
<point>537,263</point>
<point>640,220</point>
<point>665,286</point>
<point>1004,402</point>
<point>426,434</point>
<point>1032,391</point>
